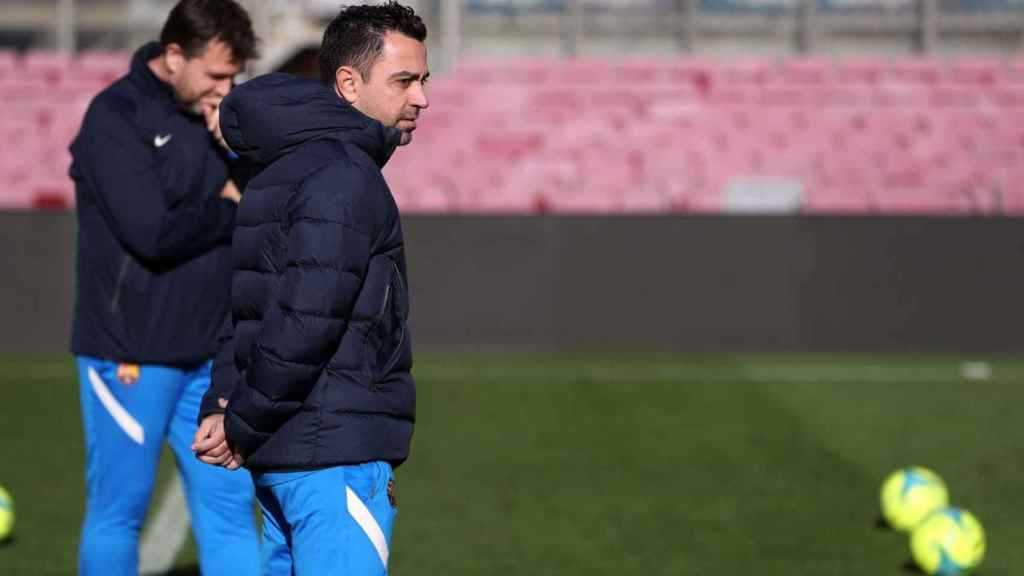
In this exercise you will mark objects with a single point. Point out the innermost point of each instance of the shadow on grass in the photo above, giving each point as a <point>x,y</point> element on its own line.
<point>185,571</point>
<point>910,567</point>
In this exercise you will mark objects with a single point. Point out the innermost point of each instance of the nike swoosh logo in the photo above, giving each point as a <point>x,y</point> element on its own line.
<point>159,141</point>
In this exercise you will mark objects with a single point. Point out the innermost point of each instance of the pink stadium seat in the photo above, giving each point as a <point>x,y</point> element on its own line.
<point>499,95</point>
<point>104,67</point>
<point>957,96</point>
<point>792,95</point>
<point>584,72</point>
<point>22,88</point>
<point>8,62</point>
<point>641,71</point>
<point>839,95</point>
<point>632,101</point>
<point>691,72</point>
<point>646,199</point>
<point>745,72</point>
<point>915,71</point>
<point>46,65</point>
<point>672,97</point>
<point>807,71</point>
<point>535,135</point>
<point>557,97</point>
<point>900,94</point>
<point>724,94</point>
<point>14,197</point>
<point>510,145</point>
<point>1009,97</point>
<point>977,71</point>
<point>860,70</point>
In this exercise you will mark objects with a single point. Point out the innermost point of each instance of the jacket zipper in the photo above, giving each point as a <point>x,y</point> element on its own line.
<point>401,336</point>
<point>120,281</point>
<point>384,304</point>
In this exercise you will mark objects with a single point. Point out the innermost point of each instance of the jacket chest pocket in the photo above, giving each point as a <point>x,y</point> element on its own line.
<point>386,336</point>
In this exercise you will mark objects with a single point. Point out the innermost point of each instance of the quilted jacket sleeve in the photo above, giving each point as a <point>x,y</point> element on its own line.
<point>225,375</point>
<point>327,256</point>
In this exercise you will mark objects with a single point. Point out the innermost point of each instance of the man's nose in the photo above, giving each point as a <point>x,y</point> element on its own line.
<point>223,87</point>
<point>419,96</point>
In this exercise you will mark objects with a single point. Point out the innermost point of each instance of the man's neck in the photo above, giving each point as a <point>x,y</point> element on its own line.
<point>159,68</point>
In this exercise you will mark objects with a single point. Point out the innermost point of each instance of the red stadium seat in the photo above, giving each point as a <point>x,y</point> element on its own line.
<point>977,71</point>
<point>46,65</point>
<point>8,62</point>
<point>807,71</point>
<point>915,71</point>
<point>744,72</point>
<point>639,135</point>
<point>52,193</point>
<point>860,70</point>
<point>104,67</point>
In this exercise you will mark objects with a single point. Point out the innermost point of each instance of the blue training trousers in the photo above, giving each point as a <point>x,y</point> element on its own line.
<point>125,426</point>
<point>329,522</point>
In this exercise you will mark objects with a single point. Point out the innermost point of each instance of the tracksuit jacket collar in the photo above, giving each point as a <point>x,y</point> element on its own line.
<point>146,79</point>
<point>272,115</point>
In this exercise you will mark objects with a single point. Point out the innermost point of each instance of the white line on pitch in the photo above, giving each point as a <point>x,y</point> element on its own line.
<point>166,534</point>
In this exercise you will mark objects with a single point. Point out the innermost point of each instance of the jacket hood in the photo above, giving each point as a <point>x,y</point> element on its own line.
<point>272,115</point>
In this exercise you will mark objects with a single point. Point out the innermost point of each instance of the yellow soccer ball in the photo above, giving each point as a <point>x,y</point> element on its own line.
<point>950,542</point>
<point>910,494</point>
<point>6,514</point>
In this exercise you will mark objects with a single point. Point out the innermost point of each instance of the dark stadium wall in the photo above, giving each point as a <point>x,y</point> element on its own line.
<point>667,283</point>
<point>37,281</point>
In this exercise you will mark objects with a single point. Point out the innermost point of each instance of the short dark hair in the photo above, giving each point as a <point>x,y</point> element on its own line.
<point>192,24</point>
<point>356,36</point>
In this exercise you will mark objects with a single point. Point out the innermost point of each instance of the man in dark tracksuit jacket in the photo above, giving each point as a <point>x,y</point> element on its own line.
<point>156,208</point>
<point>321,399</point>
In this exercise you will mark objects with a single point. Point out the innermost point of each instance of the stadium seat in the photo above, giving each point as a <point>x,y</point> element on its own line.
<point>976,71</point>
<point>103,66</point>
<point>46,65</point>
<point>862,70</point>
<point>8,62</point>
<point>744,72</point>
<point>644,134</point>
<point>807,71</point>
<point>915,71</point>
<point>52,193</point>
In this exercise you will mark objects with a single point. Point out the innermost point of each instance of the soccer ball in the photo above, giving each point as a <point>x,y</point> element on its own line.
<point>949,542</point>
<point>6,514</point>
<point>910,494</point>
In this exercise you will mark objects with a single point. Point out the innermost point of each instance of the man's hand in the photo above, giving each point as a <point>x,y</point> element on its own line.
<point>211,112</point>
<point>231,192</point>
<point>210,443</point>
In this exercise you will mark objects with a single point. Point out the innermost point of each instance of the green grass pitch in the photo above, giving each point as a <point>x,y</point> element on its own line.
<point>621,465</point>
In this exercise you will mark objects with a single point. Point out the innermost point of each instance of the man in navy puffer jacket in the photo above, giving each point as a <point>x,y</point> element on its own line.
<point>320,399</point>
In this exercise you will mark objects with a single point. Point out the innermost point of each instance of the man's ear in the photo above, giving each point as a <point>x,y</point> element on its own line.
<point>347,82</point>
<point>175,57</point>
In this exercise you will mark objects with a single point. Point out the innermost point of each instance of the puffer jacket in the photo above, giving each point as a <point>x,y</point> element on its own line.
<point>317,370</point>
